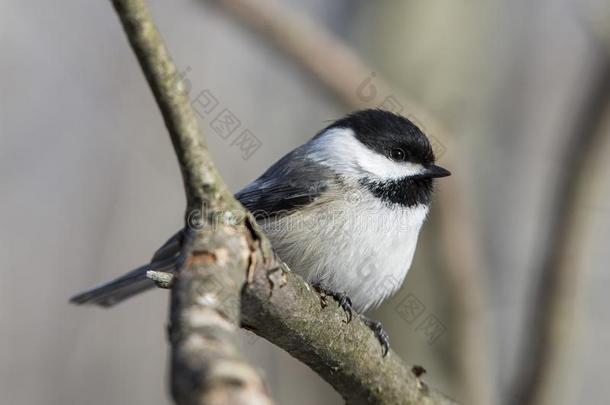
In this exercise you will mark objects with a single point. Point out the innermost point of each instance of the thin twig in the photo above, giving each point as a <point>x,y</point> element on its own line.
<point>161,278</point>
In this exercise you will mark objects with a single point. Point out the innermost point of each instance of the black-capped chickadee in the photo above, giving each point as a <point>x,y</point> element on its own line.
<point>343,210</point>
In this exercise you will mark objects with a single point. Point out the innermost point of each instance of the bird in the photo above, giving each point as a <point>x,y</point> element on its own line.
<point>343,210</point>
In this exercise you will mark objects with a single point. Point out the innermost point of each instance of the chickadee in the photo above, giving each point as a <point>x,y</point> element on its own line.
<point>343,210</point>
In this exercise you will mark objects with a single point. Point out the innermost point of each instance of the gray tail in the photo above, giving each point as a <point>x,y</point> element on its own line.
<point>115,291</point>
<point>166,259</point>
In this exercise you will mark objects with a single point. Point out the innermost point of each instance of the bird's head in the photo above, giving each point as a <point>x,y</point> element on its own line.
<point>384,152</point>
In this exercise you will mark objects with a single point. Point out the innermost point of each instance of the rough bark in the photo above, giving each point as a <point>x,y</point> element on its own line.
<point>206,365</point>
<point>281,307</point>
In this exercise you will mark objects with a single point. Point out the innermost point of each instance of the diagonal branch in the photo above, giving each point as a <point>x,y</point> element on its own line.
<point>276,304</point>
<point>198,172</point>
<point>279,306</point>
<point>206,366</point>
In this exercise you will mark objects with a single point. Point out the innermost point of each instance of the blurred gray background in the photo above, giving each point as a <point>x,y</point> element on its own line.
<point>90,185</point>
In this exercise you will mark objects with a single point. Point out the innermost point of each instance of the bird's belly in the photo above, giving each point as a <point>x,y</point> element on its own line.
<point>366,256</point>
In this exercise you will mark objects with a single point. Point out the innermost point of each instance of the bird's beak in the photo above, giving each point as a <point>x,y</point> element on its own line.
<point>435,171</point>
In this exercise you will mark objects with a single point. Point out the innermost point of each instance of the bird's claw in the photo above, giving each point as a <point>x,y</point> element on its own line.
<point>346,304</point>
<point>379,332</point>
<point>342,299</point>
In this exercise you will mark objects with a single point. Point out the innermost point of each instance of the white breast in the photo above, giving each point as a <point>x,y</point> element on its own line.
<point>359,246</point>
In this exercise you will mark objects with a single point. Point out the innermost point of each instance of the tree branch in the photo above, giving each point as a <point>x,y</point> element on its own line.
<point>276,304</point>
<point>279,306</point>
<point>206,366</point>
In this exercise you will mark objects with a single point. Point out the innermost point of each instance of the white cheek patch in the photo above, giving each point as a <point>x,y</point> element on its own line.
<point>339,148</point>
<point>386,168</point>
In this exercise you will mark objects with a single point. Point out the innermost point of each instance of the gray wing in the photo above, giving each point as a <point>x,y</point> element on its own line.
<point>292,182</point>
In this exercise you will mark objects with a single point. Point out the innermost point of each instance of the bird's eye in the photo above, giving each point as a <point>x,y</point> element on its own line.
<point>397,154</point>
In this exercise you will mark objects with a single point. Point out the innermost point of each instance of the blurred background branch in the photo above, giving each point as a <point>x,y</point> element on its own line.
<point>548,342</point>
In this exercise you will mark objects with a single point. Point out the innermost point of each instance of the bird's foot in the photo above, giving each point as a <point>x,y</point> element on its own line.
<point>379,332</point>
<point>342,299</point>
